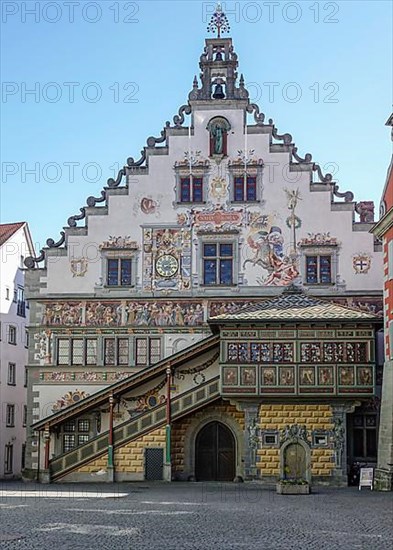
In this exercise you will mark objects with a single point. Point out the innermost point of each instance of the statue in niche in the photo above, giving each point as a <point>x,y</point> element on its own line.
<point>218,139</point>
<point>218,129</point>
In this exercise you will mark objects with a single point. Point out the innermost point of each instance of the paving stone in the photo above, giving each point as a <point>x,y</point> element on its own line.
<point>194,516</point>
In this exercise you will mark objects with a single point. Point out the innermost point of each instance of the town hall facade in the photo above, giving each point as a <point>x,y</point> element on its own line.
<point>212,314</point>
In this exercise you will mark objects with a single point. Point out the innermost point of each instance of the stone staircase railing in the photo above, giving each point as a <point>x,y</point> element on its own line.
<point>135,427</point>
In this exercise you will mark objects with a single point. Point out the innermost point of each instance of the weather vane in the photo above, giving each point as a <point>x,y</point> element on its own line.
<point>218,22</point>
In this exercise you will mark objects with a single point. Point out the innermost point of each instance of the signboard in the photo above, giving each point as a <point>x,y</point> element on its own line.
<point>366,478</point>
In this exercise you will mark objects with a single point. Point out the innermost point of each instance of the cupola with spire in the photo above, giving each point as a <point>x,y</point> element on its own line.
<point>218,64</point>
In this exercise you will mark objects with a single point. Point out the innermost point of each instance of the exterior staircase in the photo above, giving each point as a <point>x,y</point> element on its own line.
<point>133,428</point>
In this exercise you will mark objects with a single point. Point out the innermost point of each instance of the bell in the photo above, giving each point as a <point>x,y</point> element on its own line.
<point>218,92</point>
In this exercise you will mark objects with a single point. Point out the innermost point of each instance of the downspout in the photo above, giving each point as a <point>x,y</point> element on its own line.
<point>111,469</point>
<point>167,464</point>
<point>39,457</point>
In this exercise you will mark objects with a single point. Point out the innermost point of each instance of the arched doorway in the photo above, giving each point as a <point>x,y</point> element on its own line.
<point>215,453</point>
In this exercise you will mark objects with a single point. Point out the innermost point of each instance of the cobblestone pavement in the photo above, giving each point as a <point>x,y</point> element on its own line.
<point>191,516</point>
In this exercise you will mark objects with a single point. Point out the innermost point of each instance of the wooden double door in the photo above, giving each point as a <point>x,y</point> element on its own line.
<point>215,453</point>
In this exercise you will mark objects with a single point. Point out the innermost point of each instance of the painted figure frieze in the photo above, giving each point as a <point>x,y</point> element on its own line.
<point>222,307</point>
<point>366,304</point>
<point>63,313</point>
<point>164,314</point>
<point>85,376</point>
<point>103,314</point>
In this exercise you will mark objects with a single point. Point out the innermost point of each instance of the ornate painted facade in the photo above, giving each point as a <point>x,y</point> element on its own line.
<point>216,217</point>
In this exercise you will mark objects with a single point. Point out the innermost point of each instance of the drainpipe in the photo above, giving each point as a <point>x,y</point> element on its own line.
<point>111,469</point>
<point>39,457</point>
<point>167,463</point>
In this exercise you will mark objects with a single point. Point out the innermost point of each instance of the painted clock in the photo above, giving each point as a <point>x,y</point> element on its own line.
<point>167,265</point>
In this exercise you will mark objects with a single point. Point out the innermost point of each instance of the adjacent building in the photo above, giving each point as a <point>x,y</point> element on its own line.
<point>15,246</point>
<point>384,231</point>
<point>216,304</point>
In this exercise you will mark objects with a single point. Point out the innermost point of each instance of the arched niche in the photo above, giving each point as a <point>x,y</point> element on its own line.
<point>218,128</point>
<point>295,460</point>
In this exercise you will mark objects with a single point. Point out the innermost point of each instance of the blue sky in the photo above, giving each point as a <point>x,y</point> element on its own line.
<point>131,66</point>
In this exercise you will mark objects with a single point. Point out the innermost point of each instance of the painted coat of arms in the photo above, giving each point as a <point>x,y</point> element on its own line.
<point>361,263</point>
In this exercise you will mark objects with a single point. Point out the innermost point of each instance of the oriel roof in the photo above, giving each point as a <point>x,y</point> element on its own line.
<point>294,305</point>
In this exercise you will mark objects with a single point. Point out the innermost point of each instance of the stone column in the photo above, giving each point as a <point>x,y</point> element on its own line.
<point>251,440</point>
<point>384,470</point>
<point>45,472</point>
<point>339,439</point>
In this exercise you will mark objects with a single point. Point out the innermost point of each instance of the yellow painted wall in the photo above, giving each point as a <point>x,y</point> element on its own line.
<point>129,457</point>
<point>314,417</point>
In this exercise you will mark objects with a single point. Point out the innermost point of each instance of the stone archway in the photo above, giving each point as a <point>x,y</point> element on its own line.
<point>215,453</point>
<point>197,424</point>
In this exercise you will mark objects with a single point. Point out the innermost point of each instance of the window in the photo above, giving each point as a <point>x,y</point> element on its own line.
<point>148,351</point>
<point>364,432</point>
<point>77,351</point>
<point>10,416</point>
<point>119,272</point>
<point>23,456</point>
<point>12,335</point>
<point>7,293</point>
<point>11,380</point>
<point>26,338</point>
<point>9,459</point>
<point>24,420</point>
<point>26,377</point>
<point>191,189</point>
<point>270,438</point>
<point>75,433</point>
<point>319,439</point>
<point>217,263</point>
<point>15,299</point>
<point>20,302</point>
<point>318,270</point>
<point>116,351</point>
<point>244,188</point>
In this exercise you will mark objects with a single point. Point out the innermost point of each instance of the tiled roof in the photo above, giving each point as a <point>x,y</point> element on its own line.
<point>8,229</point>
<point>294,305</point>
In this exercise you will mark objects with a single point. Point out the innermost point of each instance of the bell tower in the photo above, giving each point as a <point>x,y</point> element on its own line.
<point>218,64</point>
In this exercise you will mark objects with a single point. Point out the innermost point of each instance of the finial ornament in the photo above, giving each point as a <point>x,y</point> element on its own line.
<point>218,22</point>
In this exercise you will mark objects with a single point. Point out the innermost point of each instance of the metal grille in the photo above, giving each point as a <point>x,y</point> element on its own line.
<point>154,462</point>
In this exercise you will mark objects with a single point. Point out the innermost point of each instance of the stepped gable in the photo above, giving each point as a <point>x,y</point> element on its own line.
<point>218,58</point>
<point>292,305</point>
